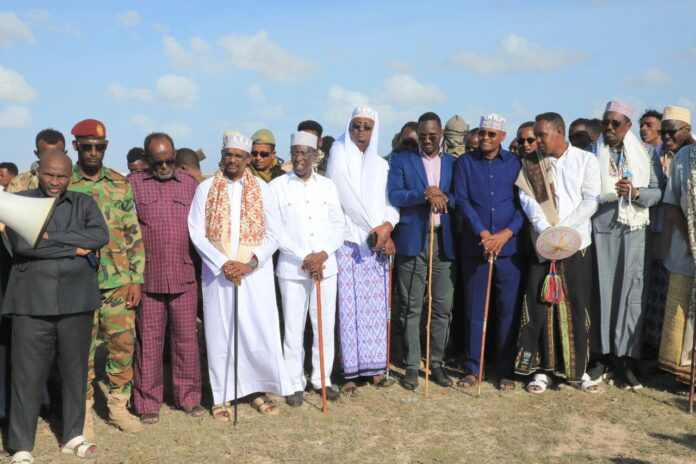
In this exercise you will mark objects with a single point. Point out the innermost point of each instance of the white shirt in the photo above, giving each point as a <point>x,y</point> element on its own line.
<point>577,184</point>
<point>312,221</point>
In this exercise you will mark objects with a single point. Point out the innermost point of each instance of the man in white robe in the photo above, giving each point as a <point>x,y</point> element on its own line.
<point>233,224</point>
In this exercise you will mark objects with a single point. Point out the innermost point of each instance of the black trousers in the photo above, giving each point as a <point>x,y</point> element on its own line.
<point>35,342</point>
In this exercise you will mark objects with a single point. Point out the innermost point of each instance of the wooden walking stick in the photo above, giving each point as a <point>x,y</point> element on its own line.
<point>236,349</point>
<point>389,310</point>
<point>321,344</point>
<point>430,301</point>
<point>693,373</point>
<point>485,322</point>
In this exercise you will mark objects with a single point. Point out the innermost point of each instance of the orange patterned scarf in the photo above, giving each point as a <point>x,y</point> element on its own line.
<point>218,214</point>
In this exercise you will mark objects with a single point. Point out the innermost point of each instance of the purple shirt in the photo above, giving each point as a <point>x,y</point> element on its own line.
<point>162,208</point>
<point>432,172</point>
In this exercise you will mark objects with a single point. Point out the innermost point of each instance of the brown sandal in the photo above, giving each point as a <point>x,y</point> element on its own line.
<point>468,381</point>
<point>221,413</point>
<point>264,405</point>
<point>506,384</point>
<point>349,388</point>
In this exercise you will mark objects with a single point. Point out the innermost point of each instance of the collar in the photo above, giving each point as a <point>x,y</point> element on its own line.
<point>151,175</point>
<point>104,172</point>
<point>423,155</point>
<point>61,198</point>
<point>293,176</point>
<point>502,153</point>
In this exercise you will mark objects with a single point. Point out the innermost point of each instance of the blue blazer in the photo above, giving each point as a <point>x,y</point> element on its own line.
<point>406,189</point>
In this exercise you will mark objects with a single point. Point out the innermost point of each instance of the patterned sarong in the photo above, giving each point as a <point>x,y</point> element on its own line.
<point>677,333</point>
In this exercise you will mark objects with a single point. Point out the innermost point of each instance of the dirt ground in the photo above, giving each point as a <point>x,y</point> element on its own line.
<point>395,425</point>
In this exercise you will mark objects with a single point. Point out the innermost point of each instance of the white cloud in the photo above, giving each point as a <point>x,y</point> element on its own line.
<point>687,103</point>
<point>649,76</point>
<point>342,102</point>
<point>261,106</point>
<point>271,112</point>
<point>13,87</point>
<point>176,90</point>
<point>128,19</point>
<point>404,88</point>
<point>256,94</point>
<point>515,53</point>
<point>258,53</point>
<point>161,28</point>
<point>175,129</point>
<point>15,117</point>
<point>13,30</point>
<point>119,92</point>
<point>399,66</point>
<point>199,58</point>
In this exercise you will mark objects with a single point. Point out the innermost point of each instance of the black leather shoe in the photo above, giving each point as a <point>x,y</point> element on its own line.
<point>410,380</point>
<point>295,400</point>
<point>331,394</point>
<point>439,377</point>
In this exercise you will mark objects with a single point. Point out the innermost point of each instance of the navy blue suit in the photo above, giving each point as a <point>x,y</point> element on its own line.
<point>487,199</point>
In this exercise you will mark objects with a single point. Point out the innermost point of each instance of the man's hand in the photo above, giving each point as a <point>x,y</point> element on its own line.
<point>82,252</point>
<point>45,236</point>
<point>494,243</point>
<point>383,234</point>
<point>314,262</point>
<point>234,270</point>
<point>437,199</point>
<point>389,248</point>
<point>134,296</point>
<point>318,276</point>
<point>624,187</point>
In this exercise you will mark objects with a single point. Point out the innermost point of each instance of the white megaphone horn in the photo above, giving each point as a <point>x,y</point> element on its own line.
<point>27,216</point>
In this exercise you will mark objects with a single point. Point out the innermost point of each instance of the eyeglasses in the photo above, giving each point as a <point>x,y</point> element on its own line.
<point>670,132</point>
<point>491,134</point>
<point>262,154</point>
<point>423,137</point>
<point>89,146</point>
<point>611,122</point>
<point>161,164</point>
<point>529,140</point>
<point>361,125</point>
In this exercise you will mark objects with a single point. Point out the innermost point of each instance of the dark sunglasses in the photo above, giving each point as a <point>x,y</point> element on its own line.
<point>491,135</point>
<point>611,122</point>
<point>89,146</point>
<point>161,164</point>
<point>431,137</point>
<point>363,125</point>
<point>529,140</point>
<point>262,154</point>
<point>670,132</point>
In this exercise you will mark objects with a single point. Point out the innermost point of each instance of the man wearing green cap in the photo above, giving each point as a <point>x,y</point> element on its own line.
<point>264,163</point>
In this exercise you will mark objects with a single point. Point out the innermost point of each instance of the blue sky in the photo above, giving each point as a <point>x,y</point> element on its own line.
<point>195,69</point>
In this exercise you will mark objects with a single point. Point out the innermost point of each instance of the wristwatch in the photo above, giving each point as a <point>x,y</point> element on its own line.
<point>253,262</point>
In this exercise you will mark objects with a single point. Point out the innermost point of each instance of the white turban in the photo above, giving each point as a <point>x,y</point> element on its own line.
<point>304,138</point>
<point>234,139</point>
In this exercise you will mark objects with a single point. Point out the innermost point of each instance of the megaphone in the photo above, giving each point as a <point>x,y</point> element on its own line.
<point>26,215</point>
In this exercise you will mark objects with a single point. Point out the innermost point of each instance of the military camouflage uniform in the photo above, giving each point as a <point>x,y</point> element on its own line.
<point>22,182</point>
<point>122,262</point>
<point>275,171</point>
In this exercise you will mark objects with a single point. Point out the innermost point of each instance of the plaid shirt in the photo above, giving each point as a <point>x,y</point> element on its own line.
<point>162,208</point>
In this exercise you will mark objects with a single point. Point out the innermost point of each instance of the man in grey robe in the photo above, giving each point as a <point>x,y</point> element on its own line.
<point>631,182</point>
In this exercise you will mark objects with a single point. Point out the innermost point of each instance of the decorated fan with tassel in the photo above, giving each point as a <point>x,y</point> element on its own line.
<point>554,244</point>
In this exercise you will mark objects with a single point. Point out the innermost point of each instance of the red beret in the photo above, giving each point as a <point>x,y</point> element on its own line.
<point>89,128</point>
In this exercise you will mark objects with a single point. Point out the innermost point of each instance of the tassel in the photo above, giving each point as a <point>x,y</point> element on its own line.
<point>552,290</point>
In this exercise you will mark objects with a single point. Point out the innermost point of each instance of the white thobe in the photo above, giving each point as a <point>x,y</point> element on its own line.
<point>312,221</point>
<point>261,366</point>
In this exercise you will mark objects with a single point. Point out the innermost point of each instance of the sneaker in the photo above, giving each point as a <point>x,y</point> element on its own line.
<point>295,400</point>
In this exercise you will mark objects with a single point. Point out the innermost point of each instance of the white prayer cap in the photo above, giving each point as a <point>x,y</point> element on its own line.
<point>304,138</point>
<point>493,121</point>
<point>234,139</point>
<point>364,112</point>
<point>677,113</point>
<point>621,108</point>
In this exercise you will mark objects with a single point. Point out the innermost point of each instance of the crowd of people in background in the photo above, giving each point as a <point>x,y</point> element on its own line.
<point>331,234</point>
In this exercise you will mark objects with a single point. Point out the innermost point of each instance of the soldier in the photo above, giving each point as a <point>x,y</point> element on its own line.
<point>122,264</point>
<point>47,140</point>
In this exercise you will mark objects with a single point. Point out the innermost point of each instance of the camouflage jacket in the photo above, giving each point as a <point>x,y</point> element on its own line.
<point>275,171</point>
<point>122,260</point>
<point>23,182</point>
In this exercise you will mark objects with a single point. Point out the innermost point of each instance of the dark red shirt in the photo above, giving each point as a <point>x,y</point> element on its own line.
<point>162,207</point>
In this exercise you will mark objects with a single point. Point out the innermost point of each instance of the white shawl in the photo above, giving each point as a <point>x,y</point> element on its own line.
<point>361,181</point>
<point>638,159</point>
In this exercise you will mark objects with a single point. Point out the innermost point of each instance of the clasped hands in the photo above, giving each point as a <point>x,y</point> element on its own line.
<point>493,243</point>
<point>314,264</point>
<point>384,242</point>
<point>234,270</point>
<point>624,187</point>
<point>437,199</point>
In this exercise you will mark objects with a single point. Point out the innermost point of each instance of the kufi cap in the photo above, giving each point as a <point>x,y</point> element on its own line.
<point>263,136</point>
<point>618,107</point>
<point>493,121</point>
<point>677,113</point>
<point>89,128</point>
<point>234,139</point>
<point>456,124</point>
<point>364,112</point>
<point>304,138</point>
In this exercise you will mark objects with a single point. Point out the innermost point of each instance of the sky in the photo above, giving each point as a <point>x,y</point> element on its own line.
<point>196,69</point>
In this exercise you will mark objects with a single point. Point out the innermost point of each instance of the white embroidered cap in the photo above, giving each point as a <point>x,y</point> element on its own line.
<point>364,112</point>
<point>235,139</point>
<point>677,113</point>
<point>493,121</point>
<point>304,138</point>
<point>621,108</point>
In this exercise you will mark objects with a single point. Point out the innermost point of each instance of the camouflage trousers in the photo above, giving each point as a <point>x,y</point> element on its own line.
<point>117,323</point>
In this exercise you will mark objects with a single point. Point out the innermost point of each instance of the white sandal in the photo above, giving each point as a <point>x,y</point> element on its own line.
<point>587,385</point>
<point>539,384</point>
<point>22,457</point>
<point>80,447</point>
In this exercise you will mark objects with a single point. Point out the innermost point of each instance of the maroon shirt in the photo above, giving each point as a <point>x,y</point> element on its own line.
<point>162,207</point>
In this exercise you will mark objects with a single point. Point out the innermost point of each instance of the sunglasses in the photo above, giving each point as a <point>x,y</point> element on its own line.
<point>611,122</point>
<point>161,164</point>
<point>431,137</point>
<point>361,125</point>
<point>262,154</point>
<point>491,135</point>
<point>529,140</point>
<point>89,146</point>
<point>670,132</point>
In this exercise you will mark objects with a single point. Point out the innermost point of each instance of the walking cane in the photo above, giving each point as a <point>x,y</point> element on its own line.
<point>485,322</point>
<point>389,310</point>
<point>693,374</point>
<point>236,349</point>
<point>321,344</point>
<point>430,301</point>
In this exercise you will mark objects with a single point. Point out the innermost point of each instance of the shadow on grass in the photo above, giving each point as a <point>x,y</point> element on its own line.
<point>622,460</point>
<point>687,440</point>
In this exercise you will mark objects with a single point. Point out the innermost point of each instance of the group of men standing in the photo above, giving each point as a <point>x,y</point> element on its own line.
<point>126,255</point>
